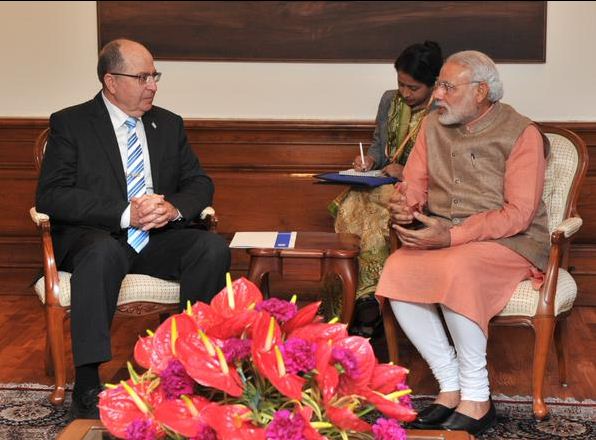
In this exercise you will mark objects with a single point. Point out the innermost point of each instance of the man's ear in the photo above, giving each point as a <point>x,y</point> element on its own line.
<point>482,92</point>
<point>109,82</point>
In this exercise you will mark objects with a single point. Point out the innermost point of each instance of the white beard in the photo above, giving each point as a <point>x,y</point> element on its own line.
<point>465,112</point>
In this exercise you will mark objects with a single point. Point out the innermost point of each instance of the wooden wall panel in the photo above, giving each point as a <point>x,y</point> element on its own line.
<point>263,176</point>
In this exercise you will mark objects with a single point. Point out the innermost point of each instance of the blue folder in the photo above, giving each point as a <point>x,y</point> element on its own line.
<point>356,180</point>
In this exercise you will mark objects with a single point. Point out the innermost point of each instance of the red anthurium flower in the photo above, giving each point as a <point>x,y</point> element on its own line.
<point>386,377</point>
<point>357,357</point>
<point>125,404</point>
<point>320,332</point>
<point>143,351</point>
<point>182,415</point>
<point>390,408</point>
<point>309,432</point>
<point>205,316</point>
<point>345,419</point>
<point>270,364</point>
<point>234,327</point>
<point>266,332</point>
<point>204,361</point>
<point>328,376</point>
<point>245,297</point>
<point>268,359</point>
<point>155,351</point>
<point>232,422</point>
<point>305,315</point>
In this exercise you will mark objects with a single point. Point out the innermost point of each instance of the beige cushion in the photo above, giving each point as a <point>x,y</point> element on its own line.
<point>560,170</point>
<point>524,301</point>
<point>134,288</point>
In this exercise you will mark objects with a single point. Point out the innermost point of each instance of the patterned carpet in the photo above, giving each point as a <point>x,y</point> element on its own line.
<point>25,413</point>
<point>569,419</point>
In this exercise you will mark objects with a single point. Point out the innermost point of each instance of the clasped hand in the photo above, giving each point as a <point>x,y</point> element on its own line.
<point>434,235</point>
<point>151,211</point>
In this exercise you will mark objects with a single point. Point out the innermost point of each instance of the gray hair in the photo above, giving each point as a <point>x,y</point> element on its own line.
<point>482,68</point>
<point>110,59</point>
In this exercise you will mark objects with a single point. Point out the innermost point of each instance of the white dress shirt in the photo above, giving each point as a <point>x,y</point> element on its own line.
<point>118,117</point>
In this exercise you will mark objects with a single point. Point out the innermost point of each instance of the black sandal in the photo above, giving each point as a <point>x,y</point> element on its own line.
<point>368,321</point>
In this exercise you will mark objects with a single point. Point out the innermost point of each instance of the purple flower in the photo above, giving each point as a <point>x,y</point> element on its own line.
<point>388,429</point>
<point>404,400</point>
<point>141,430</point>
<point>299,355</point>
<point>347,360</point>
<point>205,433</point>
<point>281,310</point>
<point>236,349</point>
<point>175,381</point>
<point>285,426</point>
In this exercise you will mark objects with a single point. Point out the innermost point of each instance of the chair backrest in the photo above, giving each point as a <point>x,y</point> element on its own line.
<point>40,148</point>
<point>565,171</point>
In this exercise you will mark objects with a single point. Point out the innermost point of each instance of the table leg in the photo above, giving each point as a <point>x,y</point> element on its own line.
<point>347,270</point>
<point>258,271</point>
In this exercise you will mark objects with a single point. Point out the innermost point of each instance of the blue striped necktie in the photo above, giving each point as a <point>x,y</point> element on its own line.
<point>135,181</point>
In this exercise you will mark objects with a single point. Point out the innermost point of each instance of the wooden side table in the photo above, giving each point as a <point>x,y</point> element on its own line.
<point>314,255</point>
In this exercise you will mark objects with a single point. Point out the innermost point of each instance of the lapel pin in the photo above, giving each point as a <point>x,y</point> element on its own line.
<point>154,125</point>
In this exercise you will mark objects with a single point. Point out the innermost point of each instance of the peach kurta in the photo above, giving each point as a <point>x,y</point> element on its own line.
<point>474,276</point>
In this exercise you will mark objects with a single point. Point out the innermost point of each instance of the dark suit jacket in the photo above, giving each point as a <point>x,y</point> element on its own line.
<point>82,181</point>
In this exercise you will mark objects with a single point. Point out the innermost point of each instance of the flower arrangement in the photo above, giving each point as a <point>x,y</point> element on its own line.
<point>247,368</point>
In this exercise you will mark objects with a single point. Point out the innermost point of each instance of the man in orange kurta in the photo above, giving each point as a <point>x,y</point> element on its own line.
<point>474,182</point>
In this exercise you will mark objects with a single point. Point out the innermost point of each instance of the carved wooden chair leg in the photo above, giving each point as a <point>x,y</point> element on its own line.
<point>543,336</point>
<point>48,364</point>
<point>55,322</point>
<point>560,330</point>
<point>390,326</point>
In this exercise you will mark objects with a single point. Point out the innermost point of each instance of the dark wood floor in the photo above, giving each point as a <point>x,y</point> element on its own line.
<point>22,338</point>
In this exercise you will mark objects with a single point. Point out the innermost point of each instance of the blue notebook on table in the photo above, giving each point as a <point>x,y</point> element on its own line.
<point>356,180</point>
<point>266,240</point>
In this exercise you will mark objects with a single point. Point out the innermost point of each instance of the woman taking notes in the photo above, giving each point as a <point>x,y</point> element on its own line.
<point>363,211</point>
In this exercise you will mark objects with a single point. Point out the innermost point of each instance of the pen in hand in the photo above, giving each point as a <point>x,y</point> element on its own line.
<point>363,166</point>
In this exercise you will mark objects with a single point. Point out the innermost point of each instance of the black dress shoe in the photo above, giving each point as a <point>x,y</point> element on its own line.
<point>84,404</point>
<point>461,422</point>
<point>432,416</point>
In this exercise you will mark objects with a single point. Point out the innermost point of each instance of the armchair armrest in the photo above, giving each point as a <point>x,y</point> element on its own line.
<point>209,220</point>
<point>50,271</point>
<point>559,241</point>
<point>569,226</point>
<point>38,217</point>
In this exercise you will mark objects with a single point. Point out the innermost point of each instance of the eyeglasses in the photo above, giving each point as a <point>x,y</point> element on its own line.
<point>450,88</point>
<point>143,78</point>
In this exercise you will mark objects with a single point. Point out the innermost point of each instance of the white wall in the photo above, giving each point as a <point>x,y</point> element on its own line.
<point>49,52</point>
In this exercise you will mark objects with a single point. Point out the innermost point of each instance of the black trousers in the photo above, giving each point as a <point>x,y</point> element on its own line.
<point>99,262</point>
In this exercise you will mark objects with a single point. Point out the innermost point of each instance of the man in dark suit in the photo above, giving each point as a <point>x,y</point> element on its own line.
<point>120,183</point>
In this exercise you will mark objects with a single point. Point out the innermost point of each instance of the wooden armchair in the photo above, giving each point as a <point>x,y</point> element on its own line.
<point>543,310</point>
<point>140,295</point>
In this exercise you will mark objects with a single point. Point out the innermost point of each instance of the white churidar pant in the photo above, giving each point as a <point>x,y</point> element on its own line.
<point>462,368</point>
